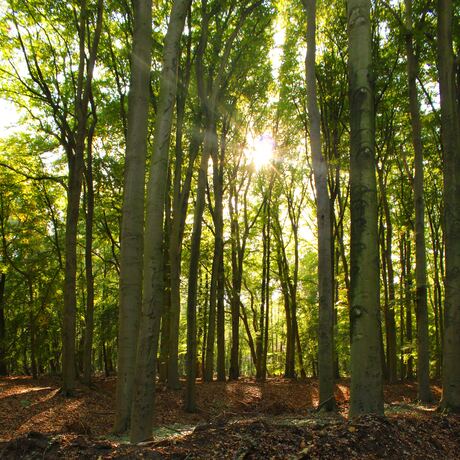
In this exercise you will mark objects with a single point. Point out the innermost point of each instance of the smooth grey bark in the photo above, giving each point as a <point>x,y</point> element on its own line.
<point>132,224</point>
<point>153,288</point>
<point>450,136</point>
<point>366,368</point>
<point>423,351</point>
<point>323,216</point>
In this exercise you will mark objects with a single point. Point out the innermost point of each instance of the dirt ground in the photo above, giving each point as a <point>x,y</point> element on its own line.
<point>237,420</point>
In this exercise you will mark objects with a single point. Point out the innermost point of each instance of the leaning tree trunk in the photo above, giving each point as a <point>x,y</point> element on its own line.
<point>366,369</point>
<point>132,224</point>
<point>423,352</point>
<point>153,294</point>
<point>450,134</point>
<point>323,212</point>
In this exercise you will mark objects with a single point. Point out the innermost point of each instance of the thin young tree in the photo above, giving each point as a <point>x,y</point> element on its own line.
<point>423,352</point>
<point>323,216</point>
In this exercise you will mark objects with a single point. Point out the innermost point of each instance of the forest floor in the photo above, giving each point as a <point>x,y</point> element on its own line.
<point>237,420</point>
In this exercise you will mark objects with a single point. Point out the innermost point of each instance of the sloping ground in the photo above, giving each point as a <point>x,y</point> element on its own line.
<point>243,420</point>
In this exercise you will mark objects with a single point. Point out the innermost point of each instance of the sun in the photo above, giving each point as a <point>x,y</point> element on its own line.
<point>260,149</point>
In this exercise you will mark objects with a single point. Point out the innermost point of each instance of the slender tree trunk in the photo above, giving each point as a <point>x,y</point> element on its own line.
<point>70,284</point>
<point>450,135</point>
<point>89,317</point>
<point>387,262</point>
<point>153,288</point>
<point>323,213</point>
<point>402,302</point>
<point>209,146</point>
<point>234,371</point>
<point>267,290</point>
<point>180,205</point>
<point>408,309</point>
<point>366,369</point>
<point>75,158</point>
<point>221,319</point>
<point>437,293</point>
<point>220,273</point>
<point>423,352</point>
<point>3,367</point>
<point>33,332</point>
<point>132,224</point>
<point>262,313</point>
<point>217,259</point>
<point>166,316</point>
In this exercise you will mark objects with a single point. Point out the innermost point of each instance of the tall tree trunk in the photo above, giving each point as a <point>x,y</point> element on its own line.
<point>408,308</point>
<point>166,316</point>
<point>387,262</point>
<point>3,367</point>
<point>289,371</point>
<point>323,216</point>
<point>437,292</point>
<point>366,369</point>
<point>423,352</point>
<point>450,135</point>
<point>75,158</point>
<point>70,281</point>
<point>261,327</point>
<point>209,146</point>
<point>153,288</point>
<point>180,205</point>
<point>218,159</point>
<point>267,290</point>
<point>180,197</point>
<point>221,319</point>
<point>33,331</point>
<point>132,223</point>
<point>89,317</point>
<point>234,371</point>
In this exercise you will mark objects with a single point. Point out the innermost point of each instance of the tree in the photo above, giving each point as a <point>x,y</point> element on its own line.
<point>132,226</point>
<point>366,391</point>
<point>450,135</point>
<point>423,358</point>
<point>152,292</point>
<point>323,212</point>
